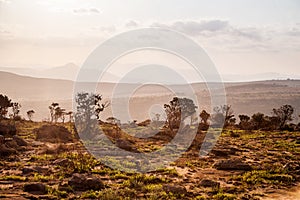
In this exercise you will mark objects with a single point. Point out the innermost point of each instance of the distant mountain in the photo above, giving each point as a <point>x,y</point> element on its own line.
<point>258,77</point>
<point>160,75</point>
<point>65,72</point>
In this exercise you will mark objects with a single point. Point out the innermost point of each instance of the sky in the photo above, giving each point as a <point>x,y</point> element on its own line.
<point>240,36</point>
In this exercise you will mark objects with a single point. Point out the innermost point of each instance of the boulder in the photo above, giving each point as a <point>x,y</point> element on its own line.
<point>54,149</point>
<point>232,164</point>
<point>209,183</point>
<point>126,145</point>
<point>81,182</point>
<point>20,141</point>
<point>6,151</point>
<point>8,130</point>
<point>28,170</point>
<point>175,189</point>
<point>53,134</point>
<point>35,188</point>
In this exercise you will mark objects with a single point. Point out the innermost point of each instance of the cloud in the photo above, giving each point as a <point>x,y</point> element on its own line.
<point>194,27</point>
<point>5,1</point>
<point>220,34</point>
<point>87,11</point>
<point>131,24</point>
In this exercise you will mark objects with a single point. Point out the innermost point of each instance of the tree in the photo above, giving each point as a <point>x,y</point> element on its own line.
<point>88,109</point>
<point>59,113</point>
<point>204,117</point>
<point>5,103</point>
<point>258,120</point>
<point>56,112</point>
<point>52,108</point>
<point>178,110</point>
<point>284,114</point>
<point>244,122</point>
<point>223,114</point>
<point>70,114</point>
<point>99,107</point>
<point>30,114</point>
<point>244,118</point>
<point>16,109</point>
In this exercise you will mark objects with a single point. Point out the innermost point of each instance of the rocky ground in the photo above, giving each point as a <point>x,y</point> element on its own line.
<point>42,161</point>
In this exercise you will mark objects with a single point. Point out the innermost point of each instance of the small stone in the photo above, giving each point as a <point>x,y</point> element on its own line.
<point>28,170</point>
<point>82,182</point>
<point>126,145</point>
<point>175,189</point>
<point>35,188</point>
<point>2,139</point>
<point>209,183</point>
<point>232,164</point>
<point>220,152</point>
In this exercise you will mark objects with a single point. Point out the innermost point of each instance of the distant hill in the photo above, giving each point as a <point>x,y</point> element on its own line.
<point>70,71</point>
<point>65,72</point>
<point>245,97</point>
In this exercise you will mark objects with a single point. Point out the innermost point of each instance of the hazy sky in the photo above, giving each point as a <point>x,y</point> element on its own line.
<point>241,36</point>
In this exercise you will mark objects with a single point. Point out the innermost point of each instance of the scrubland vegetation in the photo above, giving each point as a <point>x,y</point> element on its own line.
<point>254,157</point>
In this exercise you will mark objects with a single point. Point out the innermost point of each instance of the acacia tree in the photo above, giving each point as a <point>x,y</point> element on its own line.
<point>99,106</point>
<point>16,109</point>
<point>284,114</point>
<point>30,114</point>
<point>5,103</point>
<point>59,113</point>
<point>178,110</point>
<point>204,117</point>
<point>52,108</point>
<point>89,107</point>
<point>70,114</point>
<point>244,121</point>
<point>56,113</point>
<point>223,115</point>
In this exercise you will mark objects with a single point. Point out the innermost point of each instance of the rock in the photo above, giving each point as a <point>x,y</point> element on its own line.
<point>232,164</point>
<point>82,182</point>
<point>223,152</point>
<point>35,188</point>
<point>209,183</point>
<point>126,145</point>
<point>39,169</point>
<point>8,130</point>
<point>13,145</point>
<point>20,141</point>
<point>2,139</point>
<point>28,170</point>
<point>220,152</point>
<point>6,151</point>
<point>62,162</point>
<point>54,149</point>
<point>53,134</point>
<point>175,189</point>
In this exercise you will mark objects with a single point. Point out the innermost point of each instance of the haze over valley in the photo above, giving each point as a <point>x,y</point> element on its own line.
<point>245,97</point>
